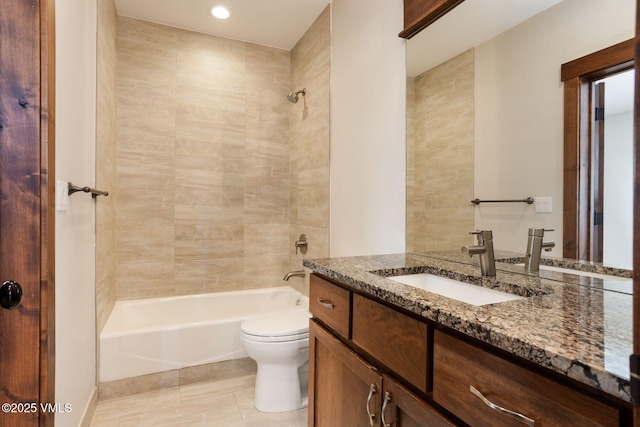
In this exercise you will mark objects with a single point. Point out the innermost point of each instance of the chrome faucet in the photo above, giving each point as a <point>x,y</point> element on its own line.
<point>297,273</point>
<point>535,245</point>
<point>484,248</point>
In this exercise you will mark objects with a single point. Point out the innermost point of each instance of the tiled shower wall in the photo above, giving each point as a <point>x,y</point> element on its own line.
<point>309,142</point>
<point>440,157</point>
<point>203,173</point>
<point>106,162</point>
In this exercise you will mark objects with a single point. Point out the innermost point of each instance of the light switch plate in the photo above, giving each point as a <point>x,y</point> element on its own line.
<point>62,195</point>
<point>543,204</point>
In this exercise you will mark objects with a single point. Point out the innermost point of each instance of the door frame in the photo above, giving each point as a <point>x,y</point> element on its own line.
<point>29,187</point>
<point>47,208</point>
<point>635,378</point>
<point>577,77</point>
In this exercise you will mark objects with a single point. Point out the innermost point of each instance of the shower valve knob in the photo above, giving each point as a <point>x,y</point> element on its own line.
<point>302,244</point>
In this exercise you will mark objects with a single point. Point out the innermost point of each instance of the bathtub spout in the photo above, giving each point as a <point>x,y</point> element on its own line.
<point>298,273</point>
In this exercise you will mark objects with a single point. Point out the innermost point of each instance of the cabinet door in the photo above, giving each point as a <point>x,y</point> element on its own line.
<point>401,408</point>
<point>343,389</point>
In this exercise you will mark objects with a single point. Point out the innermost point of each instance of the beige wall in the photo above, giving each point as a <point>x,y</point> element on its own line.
<point>202,162</point>
<point>519,112</point>
<point>75,242</point>
<point>368,128</point>
<point>106,162</point>
<point>309,142</point>
<point>440,105</point>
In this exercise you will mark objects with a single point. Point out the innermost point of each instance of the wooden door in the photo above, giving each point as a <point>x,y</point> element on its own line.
<point>25,223</point>
<point>401,408</point>
<point>343,389</point>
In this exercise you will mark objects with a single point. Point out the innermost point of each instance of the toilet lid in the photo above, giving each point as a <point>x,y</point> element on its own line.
<point>294,321</point>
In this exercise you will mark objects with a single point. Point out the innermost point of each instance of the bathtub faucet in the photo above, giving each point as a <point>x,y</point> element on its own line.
<point>298,273</point>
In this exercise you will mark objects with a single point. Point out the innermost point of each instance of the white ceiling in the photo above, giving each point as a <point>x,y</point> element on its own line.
<point>275,23</point>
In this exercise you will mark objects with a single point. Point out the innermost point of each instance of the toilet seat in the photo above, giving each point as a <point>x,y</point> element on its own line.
<point>278,326</point>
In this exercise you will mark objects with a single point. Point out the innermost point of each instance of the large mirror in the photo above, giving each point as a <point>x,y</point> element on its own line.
<point>485,118</point>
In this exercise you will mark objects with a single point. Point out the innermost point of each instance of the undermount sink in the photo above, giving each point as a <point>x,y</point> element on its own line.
<point>460,291</point>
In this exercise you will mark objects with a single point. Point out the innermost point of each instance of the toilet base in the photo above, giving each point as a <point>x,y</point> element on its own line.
<point>279,388</point>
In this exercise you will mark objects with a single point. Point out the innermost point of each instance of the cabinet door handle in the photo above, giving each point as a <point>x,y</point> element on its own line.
<point>387,399</point>
<point>325,303</point>
<point>372,391</point>
<point>522,418</point>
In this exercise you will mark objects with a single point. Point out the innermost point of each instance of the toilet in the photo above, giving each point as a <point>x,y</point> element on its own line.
<point>279,343</point>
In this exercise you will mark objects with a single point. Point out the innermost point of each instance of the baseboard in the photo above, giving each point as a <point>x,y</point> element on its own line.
<point>161,380</point>
<point>85,421</point>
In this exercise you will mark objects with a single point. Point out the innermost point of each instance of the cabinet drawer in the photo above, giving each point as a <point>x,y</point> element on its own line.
<point>458,366</point>
<point>330,304</point>
<point>393,338</point>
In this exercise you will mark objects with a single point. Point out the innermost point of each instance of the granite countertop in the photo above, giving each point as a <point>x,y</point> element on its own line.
<point>577,326</point>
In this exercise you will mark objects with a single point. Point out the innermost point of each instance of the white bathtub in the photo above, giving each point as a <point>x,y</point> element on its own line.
<point>160,334</point>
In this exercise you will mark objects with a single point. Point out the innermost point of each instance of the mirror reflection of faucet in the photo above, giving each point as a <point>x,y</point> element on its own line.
<point>535,244</point>
<point>484,249</point>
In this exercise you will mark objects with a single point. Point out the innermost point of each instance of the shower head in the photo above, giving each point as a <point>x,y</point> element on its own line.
<point>293,96</point>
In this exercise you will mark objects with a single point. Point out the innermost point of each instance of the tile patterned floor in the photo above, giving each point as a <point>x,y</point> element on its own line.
<point>226,403</point>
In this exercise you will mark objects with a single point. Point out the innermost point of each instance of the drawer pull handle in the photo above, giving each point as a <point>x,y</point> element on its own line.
<point>387,399</point>
<point>325,303</point>
<point>522,418</point>
<point>372,391</point>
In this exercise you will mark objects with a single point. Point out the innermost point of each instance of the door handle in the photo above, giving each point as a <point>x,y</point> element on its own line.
<point>10,294</point>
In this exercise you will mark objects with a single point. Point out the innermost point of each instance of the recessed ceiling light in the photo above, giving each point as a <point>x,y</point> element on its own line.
<point>220,12</point>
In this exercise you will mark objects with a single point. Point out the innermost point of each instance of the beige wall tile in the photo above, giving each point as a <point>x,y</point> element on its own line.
<point>210,105</point>
<point>440,156</point>
<point>203,242</point>
<point>268,71</point>
<point>144,280</point>
<point>213,275</point>
<point>218,371</point>
<point>263,239</point>
<point>106,133</point>
<point>210,72</point>
<point>115,389</point>
<point>309,142</point>
<point>203,44</point>
<point>204,158</point>
<point>144,244</point>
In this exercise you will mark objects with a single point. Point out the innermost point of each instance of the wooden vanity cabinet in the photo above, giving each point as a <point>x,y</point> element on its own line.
<point>373,365</point>
<point>345,390</point>
<point>458,366</point>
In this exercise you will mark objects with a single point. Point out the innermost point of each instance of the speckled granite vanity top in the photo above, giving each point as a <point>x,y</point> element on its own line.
<point>578,326</point>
